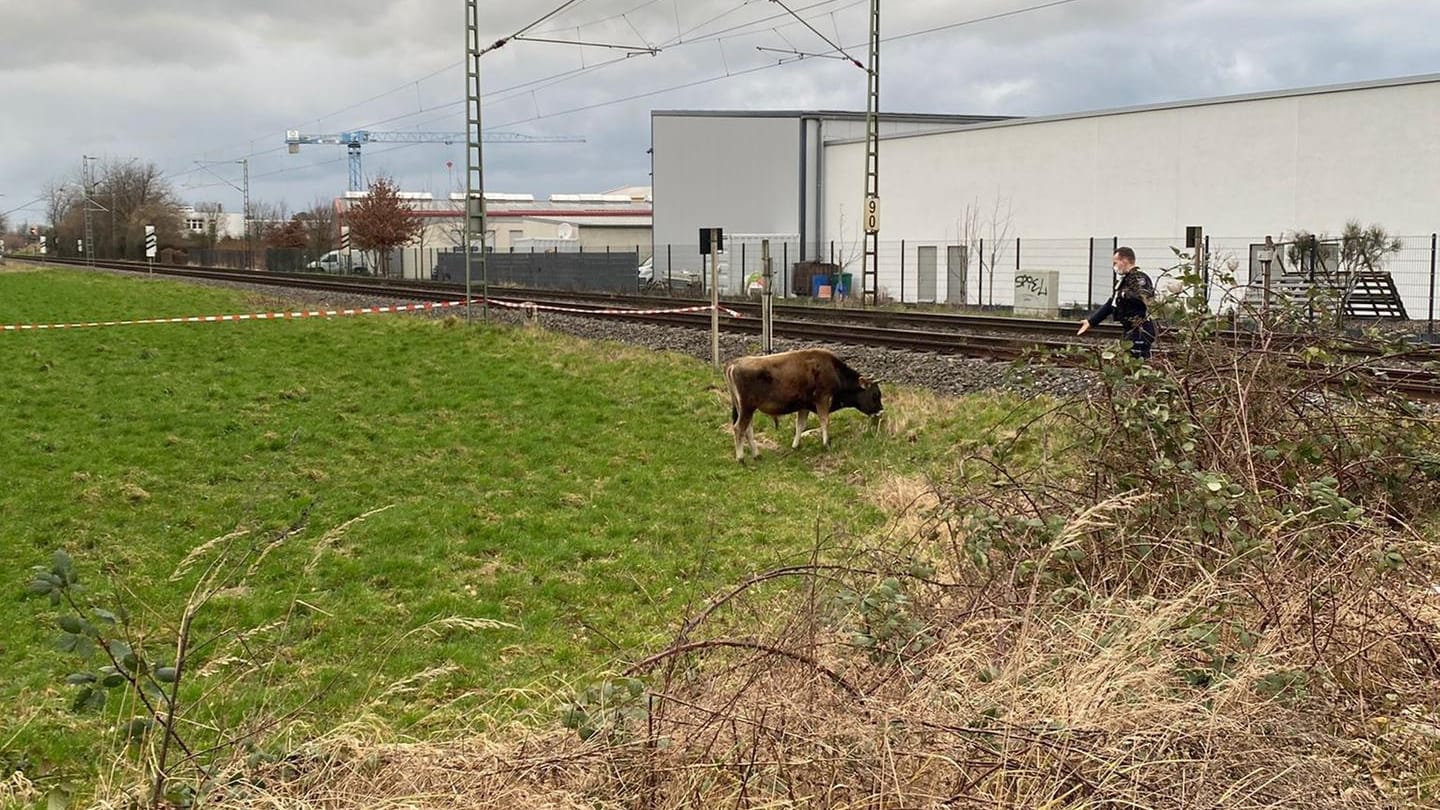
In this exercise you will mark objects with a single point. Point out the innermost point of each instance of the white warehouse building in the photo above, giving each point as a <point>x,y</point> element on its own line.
<point>1057,193</point>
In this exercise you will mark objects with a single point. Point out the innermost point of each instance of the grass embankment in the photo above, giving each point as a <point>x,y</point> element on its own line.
<point>1216,589</point>
<point>574,499</point>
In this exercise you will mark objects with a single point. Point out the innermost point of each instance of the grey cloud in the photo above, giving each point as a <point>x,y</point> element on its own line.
<point>177,80</point>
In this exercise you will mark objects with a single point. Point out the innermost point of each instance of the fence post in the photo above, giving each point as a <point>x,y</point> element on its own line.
<point>832,251</point>
<point>1114,281</point>
<point>784,281</point>
<point>744,271</point>
<point>1090,282</point>
<point>1205,267</point>
<point>1313,248</point>
<point>669,269</point>
<point>1434,244</point>
<point>980,287</point>
<point>902,271</point>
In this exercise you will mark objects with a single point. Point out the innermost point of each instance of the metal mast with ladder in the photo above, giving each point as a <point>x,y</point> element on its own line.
<point>87,179</point>
<point>870,262</point>
<point>474,161</point>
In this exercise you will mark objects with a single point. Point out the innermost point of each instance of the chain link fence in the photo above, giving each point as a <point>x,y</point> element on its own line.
<point>1070,275</point>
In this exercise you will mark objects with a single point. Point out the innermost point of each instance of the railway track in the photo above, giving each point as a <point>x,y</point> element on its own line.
<point>881,318</point>
<point>883,329</point>
<point>980,336</point>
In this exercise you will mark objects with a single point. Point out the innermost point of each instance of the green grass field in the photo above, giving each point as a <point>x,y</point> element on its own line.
<point>581,495</point>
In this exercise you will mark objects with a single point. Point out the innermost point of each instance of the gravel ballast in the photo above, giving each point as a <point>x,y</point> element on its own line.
<point>943,374</point>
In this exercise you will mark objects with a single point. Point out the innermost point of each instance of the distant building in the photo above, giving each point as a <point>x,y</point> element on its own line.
<point>197,222</point>
<point>619,220</point>
<point>1057,193</point>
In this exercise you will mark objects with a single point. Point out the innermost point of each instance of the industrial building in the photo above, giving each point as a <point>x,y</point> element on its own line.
<point>618,220</point>
<point>1056,193</point>
<point>757,175</point>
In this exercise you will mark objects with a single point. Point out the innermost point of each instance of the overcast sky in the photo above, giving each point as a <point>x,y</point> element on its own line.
<point>175,81</point>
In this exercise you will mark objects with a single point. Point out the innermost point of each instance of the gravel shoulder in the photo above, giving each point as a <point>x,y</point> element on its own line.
<point>943,374</point>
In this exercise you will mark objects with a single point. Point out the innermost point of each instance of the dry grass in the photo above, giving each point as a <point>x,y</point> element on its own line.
<point>1029,698</point>
<point>1060,670</point>
<point>17,791</point>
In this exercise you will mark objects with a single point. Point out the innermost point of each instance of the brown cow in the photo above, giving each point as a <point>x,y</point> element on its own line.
<point>795,382</point>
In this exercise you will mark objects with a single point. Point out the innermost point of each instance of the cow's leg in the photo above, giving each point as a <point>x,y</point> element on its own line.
<point>745,431</point>
<point>800,419</point>
<point>824,413</point>
<point>742,422</point>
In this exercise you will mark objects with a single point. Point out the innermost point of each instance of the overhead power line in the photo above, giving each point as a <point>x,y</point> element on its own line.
<point>987,18</point>
<point>506,93</point>
<point>736,31</point>
<point>600,21</point>
<point>586,44</point>
<point>500,43</point>
<point>816,31</point>
<point>783,62</point>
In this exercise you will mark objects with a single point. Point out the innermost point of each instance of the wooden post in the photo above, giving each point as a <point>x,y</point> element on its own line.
<point>715,297</point>
<point>980,286</point>
<point>1267,257</point>
<point>902,271</point>
<point>1434,246</point>
<point>1090,286</point>
<point>767,299</point>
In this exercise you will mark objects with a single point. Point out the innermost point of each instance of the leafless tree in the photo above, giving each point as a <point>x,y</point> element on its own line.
<point>454,229</point>
<point>212,213</point>
<point>128,196</point>
<point>321,226</point>
<point>967,230</point>
<point>62,205</point>
<point>266,218</point>
<point>1002,218</point>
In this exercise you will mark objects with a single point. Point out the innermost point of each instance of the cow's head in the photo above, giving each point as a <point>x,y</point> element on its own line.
<point>867,400</point>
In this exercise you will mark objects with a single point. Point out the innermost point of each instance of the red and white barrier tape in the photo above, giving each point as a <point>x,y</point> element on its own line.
<point>578,311</point>
<point>251,316</point>
<point>340,313</point>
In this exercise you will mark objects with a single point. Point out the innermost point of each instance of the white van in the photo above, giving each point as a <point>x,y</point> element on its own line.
<point>337,262</point>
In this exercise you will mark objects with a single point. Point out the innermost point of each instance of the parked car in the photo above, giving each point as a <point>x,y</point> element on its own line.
<point>677,277</point>
<point>339,263</point>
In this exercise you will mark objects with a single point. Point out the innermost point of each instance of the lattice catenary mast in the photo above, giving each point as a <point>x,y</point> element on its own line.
<point>869,263</point>
<point>474,161</point>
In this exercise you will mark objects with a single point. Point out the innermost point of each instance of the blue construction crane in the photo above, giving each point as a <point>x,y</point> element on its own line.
<point>354,140</point>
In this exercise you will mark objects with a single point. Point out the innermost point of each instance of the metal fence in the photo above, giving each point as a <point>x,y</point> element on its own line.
<point>984,274</point>
<point>980,274</point>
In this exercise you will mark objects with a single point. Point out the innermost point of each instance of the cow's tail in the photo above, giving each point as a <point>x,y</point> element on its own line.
<point>734,394</point>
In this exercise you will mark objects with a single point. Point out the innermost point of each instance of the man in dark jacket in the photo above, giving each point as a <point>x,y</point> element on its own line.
<point>1129,305</point>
